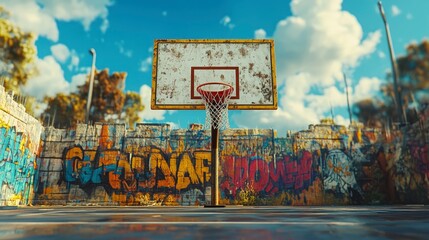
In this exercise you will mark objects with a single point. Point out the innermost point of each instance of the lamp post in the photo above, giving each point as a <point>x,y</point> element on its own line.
<point>91,84</point>
<point>398,99</point>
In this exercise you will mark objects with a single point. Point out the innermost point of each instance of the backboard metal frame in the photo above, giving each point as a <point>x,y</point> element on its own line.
<point>232,70</point>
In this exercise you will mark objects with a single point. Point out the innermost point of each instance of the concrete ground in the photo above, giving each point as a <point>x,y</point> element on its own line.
<point>231,222</point>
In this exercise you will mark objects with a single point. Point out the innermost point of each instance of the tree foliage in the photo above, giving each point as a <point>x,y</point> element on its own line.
<point>17,54</point>
<point>64,110</point>
<point>413,87</point>
<point>414,72</point>
<point>109,103</point>
<point>133,105</point>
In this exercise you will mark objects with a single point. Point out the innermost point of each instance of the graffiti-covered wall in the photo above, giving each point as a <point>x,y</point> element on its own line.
<point>108,164</point>
<point>155,165</point>
<point>19,142</point>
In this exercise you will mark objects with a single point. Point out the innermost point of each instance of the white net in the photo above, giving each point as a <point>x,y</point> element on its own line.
<point>216,96</point>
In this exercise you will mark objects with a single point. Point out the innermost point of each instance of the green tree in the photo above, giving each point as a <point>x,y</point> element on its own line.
<point>413,86</point>
<point>109,102</point>
<point>17,55</point>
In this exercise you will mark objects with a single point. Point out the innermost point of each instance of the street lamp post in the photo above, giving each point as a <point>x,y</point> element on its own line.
<point>398,98</point>
<point>91,84</point>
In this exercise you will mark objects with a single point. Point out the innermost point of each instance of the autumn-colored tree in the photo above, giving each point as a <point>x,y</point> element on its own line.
<point>370,112</point>
<point>64,110</point>
<point>413,87</point>
<point>414,74</point>
<point>108,97</point>
<point>17,55</point>
<point>133,105</point>
<point>109,102</point>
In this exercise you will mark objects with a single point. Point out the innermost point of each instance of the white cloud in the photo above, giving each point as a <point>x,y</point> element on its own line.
<point>409,16</point>
<point>148,114</point>
<point>395,10</point>
<point>60,52</point>
<point>260,34</point>
<point>104,26</point>
<point>30,17</point>
<point>226,21</point>
<point>74,61</point>
<point>39,108</point>
<point>40,16</point>
<point>330,97</point>
<point>122,50</point>
<point>77,80</point>
<point>381,54</point>
<point>50,80</point>
<point>313,48</point>
<point>84,11</point>
<point>146,64</point>
<point>341,120</point>
<point>366,88</point>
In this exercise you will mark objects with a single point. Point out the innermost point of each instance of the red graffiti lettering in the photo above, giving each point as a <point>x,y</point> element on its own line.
<point>258,174</point>
<point>284,173</point>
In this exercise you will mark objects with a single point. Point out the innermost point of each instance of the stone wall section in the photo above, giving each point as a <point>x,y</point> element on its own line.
<point>19,144</point>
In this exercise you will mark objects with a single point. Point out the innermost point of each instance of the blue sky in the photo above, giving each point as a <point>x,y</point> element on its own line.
<point>315,40</point>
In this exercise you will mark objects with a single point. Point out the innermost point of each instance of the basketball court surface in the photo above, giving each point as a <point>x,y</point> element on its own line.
<point>231,222</point>
<point>241,76</point>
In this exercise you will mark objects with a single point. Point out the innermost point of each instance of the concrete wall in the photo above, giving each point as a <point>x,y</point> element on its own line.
<point>19,143</point>
<point>155,165</point>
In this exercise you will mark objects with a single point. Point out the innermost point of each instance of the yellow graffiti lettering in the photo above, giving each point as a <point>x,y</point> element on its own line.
<point>137,163</point>
<point>74,152</point>
<point>120,198</point>
<point>123,163</point>
<point>202,169</point>
<point>186,173</point>
<point>173,164</point>
<point>157,161</point>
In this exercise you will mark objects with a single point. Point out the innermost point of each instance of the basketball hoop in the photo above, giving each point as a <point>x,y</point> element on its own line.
<point>216,96</point>
<point>204,83</point>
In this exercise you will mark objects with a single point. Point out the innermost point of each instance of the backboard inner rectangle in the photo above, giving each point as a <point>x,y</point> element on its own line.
<point>201,75</point>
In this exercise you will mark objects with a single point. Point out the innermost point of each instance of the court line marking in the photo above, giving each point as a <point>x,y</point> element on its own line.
<point>145,213</point>
<point>53,212</point>
<point>184,223</point>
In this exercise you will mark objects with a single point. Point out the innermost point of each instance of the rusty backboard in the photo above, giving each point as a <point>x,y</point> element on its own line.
<point>180,66</point>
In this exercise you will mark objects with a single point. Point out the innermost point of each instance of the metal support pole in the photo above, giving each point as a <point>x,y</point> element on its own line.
<point>399,107</point>
<point>215,163</point>
<point>91,84</point>
<point>215,166</point>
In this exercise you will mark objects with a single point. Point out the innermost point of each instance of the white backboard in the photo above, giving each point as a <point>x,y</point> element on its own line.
<point>180,66</point>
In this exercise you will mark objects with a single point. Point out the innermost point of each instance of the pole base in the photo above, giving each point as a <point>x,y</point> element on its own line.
<point>214,206</point>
